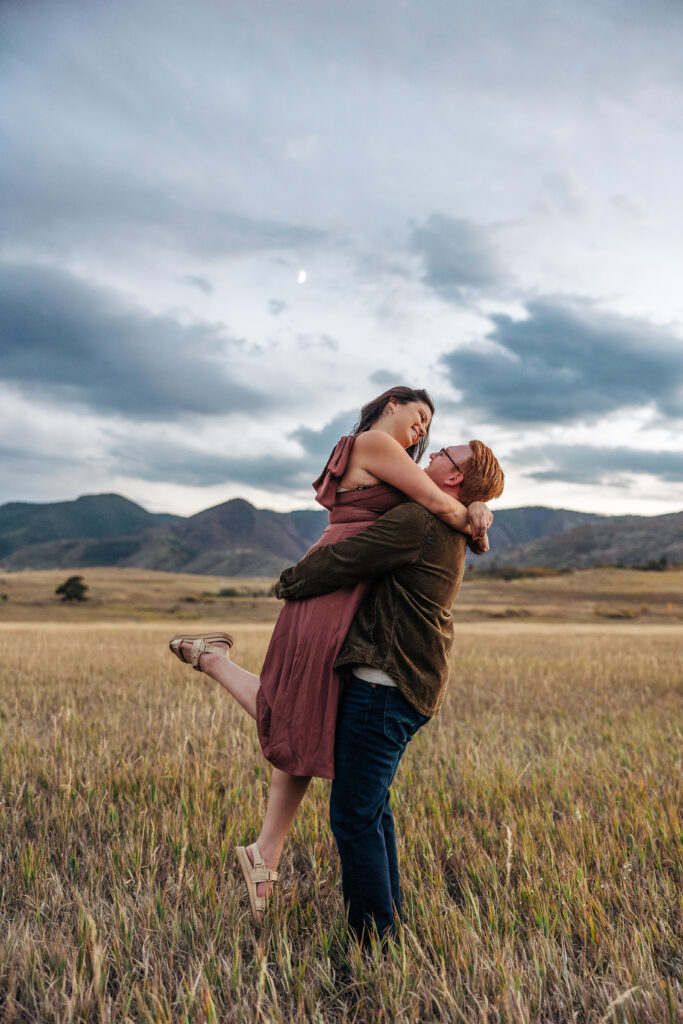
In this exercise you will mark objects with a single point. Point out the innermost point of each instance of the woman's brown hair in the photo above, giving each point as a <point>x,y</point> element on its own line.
<point>372,411</point>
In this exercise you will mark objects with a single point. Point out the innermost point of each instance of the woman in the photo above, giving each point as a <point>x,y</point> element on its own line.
<point>294,701</point>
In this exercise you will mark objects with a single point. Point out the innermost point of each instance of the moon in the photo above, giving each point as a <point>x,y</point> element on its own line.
<point>301,277</point>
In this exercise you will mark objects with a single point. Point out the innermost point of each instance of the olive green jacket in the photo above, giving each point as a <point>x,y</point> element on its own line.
<point>404,625</point>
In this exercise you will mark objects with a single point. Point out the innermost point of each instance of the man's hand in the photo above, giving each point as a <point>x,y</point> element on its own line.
<point>480,517</point>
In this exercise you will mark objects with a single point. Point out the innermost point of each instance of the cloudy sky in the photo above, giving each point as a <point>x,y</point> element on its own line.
<point>483,199</point>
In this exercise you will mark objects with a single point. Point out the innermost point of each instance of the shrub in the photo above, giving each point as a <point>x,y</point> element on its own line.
<point>656,565</point>
<point>521,572</point>
<point>511,613</point>
<point>72,589</point>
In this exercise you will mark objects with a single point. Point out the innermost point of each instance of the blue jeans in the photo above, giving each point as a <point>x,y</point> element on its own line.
<point>374,726</point>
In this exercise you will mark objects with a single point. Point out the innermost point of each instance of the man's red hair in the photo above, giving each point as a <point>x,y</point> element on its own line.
<point>483,478</point>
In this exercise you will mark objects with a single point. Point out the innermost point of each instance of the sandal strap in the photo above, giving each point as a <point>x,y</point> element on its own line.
<point>200,647</point>
<point>176,645</point>
<point>177,648</point>
<point>259,872</point>
<point>263,875</point>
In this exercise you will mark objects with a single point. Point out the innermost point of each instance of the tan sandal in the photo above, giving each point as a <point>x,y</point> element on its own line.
<point>204,643</point>
<point>253,874</point>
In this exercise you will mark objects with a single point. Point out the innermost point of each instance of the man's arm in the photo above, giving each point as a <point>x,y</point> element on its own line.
<point>395,539</point>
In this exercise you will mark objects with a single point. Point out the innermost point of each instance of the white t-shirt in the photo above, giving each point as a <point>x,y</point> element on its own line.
<point>372,675</point>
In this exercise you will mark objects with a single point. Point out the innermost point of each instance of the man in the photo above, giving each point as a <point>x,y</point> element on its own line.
<point>395,658</point>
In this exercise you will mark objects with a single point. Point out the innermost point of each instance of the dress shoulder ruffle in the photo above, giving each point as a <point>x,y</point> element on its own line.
<point>327,483</point>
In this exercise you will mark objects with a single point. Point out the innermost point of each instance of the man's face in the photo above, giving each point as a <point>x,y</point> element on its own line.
<point>440,467</point>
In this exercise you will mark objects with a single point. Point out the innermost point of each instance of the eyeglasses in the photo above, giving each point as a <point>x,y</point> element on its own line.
<point>444,452</point>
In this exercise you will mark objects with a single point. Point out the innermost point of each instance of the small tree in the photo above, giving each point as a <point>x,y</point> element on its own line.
<point>72,589</point>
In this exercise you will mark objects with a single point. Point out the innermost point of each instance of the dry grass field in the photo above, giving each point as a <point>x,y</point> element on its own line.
<point>539,816</point>
<point>139,595</point>
<point>134,595</point>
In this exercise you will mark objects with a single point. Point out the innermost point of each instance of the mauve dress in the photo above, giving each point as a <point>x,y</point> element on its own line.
<point>296,705</point>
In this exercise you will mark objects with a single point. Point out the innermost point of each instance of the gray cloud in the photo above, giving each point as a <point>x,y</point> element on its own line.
<point>631,205</point>
<point>568,362</point>
<point>587,464</point>
<point>111,146</point>
<point>320,341</point>
<point>16,459</point>
<point>161,463</point>
<point>384,378</point>
<point>200,283</point>
<point>115,134</point>
<point>319,443</point>
<point>458,255</point>
<point>565,191</point>
<point>175,146</point>
<point>79,344</point>
<point>158,461</point>
<point>99,204</point>
<point>57,472</point>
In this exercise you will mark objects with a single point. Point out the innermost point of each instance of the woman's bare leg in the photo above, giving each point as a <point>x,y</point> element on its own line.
<point>284,798</point>
<point>239,683</point>
<point>286,791</point>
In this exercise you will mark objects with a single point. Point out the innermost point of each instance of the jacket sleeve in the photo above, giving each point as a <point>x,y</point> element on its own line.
<point>394,540</point>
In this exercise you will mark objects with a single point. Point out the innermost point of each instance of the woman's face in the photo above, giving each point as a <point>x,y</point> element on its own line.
<point>409,421</point>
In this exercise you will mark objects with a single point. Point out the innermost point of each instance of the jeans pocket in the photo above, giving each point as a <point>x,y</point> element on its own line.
<point>401,719</point>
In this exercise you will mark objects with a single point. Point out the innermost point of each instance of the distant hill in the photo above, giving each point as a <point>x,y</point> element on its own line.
<point>232,539</point>
<point>236,539</point>
<point>618,540</point>
<point>522,525</point>
<point>31,534</point>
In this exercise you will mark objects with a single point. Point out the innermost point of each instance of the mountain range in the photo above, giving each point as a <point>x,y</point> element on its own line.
<point>237,539</point>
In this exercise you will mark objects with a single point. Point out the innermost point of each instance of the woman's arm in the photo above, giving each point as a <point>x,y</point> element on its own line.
<point>378,453</point>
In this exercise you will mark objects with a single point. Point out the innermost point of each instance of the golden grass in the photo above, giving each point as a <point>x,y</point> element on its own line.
<point>539,815</point>
<point>134,595</point>
<point>145,595</point>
